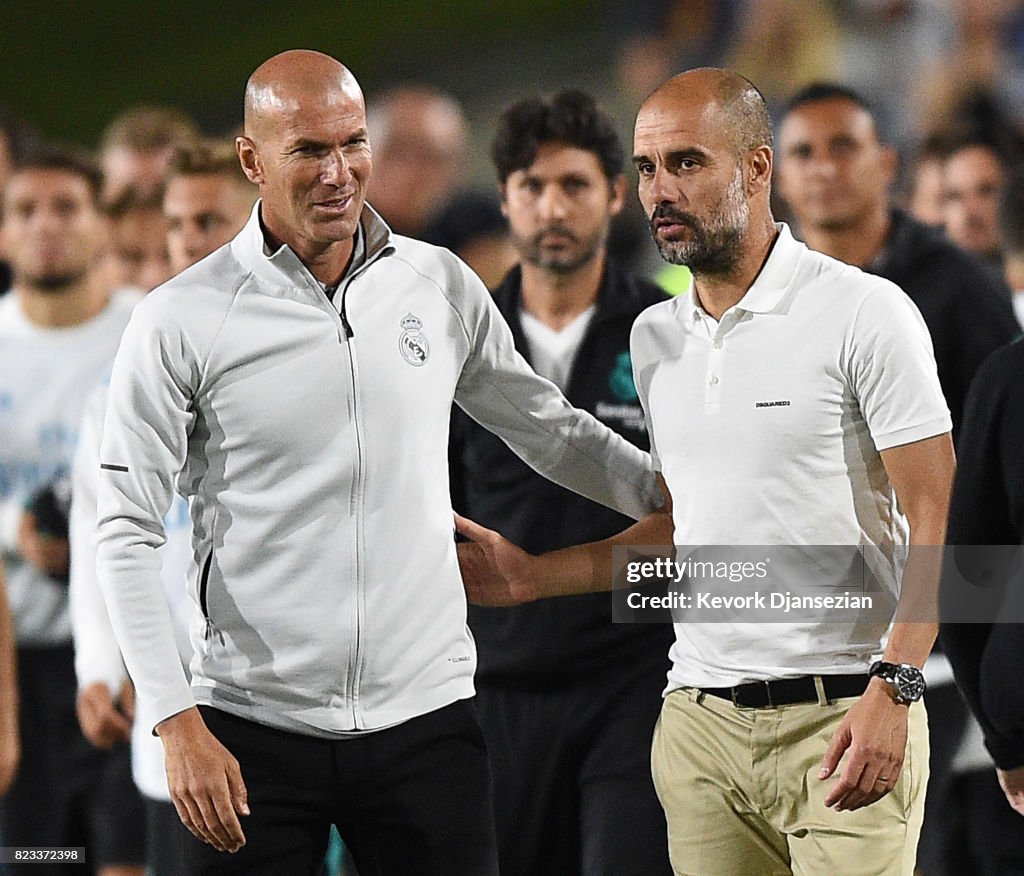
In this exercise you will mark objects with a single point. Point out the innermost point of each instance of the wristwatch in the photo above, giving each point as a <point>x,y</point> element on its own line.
<point>906,680</point>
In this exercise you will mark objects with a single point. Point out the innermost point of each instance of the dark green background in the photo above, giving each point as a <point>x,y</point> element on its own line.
<point>69,67</point>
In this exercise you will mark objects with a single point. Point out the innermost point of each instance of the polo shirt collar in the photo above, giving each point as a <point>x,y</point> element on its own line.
<point>769,286</point>
<point>693,311</point>
<point>773,281</point>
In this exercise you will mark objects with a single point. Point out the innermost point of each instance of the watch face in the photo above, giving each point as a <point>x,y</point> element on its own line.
<point>909,683</point>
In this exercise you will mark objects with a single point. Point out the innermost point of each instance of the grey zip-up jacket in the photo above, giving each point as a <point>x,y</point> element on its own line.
<point>312,440</point>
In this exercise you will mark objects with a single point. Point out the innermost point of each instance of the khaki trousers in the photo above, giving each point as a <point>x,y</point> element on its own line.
<point>742,796</point>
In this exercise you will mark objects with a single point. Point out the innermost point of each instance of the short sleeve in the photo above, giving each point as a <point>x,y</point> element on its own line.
<point>891,367</point>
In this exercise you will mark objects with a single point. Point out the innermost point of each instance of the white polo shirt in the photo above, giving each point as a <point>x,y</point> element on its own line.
<point>767,427</point>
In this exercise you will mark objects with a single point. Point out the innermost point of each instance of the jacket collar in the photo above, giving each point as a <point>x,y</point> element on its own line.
<point>283,267</point>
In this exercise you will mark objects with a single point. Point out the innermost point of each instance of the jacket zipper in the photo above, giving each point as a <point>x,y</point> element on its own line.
<point>356,509</point>
<point>352,687</point>
<point>343,288</point>
<point>330,295</point>
<point>343,313</point>
<point>204,582</point>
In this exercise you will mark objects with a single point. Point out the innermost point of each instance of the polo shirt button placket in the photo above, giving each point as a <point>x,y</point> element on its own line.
<point>713,396</point>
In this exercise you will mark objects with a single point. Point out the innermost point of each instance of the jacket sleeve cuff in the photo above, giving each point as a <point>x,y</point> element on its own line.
<point>169,706</point>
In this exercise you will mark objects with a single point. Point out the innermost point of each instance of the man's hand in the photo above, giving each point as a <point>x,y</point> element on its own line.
<point>874,732</point>
<point>1012,783</point>
<point>49,553</point>
<point>10,754</point>
<point>103,722</point>
<point>205,781</point>
<point>494,571</point>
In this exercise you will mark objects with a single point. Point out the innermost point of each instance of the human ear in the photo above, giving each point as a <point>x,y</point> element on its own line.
<point>758,169</point>
<point>249,157</point>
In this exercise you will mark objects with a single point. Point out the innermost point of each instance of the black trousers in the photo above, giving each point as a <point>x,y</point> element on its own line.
<point>412,799</point>
<point>573,793</point>
<point>947,717</point>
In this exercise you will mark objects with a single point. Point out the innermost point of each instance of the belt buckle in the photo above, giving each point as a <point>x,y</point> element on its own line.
<point>769,704</point>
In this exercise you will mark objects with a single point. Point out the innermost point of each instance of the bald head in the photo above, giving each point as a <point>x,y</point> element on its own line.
<point>720,96</point>
<point>283,84</point>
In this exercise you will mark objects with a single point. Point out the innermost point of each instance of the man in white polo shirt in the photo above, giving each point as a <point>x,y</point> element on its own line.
<point>792,400</point>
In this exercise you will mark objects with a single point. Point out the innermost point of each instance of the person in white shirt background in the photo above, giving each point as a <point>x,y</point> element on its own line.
<point>59,329</point>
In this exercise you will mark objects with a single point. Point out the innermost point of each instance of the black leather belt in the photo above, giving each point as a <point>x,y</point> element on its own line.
<point>787,691</point>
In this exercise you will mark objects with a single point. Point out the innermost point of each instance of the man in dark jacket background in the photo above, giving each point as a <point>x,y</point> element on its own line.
<point>566,697</point>
<point>835,175</point>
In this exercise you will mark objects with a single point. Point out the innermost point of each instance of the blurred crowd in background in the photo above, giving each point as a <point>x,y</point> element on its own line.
<point>940,75</point>
<point>937,73</point>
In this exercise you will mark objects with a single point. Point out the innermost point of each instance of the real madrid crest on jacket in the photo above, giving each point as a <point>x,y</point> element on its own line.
<point>412,343</point>
<point>573,635</point>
